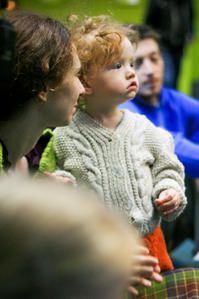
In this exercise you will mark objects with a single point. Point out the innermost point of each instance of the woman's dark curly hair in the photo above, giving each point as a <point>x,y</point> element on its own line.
<point>43,56</point>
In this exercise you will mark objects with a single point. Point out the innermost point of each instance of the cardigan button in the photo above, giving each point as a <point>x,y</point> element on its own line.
<point>114,137</point>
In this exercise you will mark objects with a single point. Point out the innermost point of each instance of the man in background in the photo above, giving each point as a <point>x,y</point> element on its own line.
<point>173,20</point>
<point>169,109</point>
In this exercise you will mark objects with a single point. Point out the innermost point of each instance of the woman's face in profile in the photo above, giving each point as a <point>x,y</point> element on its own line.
<point>63,99</point>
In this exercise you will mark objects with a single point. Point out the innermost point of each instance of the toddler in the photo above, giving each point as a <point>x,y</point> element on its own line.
<point>120,155</point>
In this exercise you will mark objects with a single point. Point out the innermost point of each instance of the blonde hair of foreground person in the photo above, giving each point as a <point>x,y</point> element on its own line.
<point>57,243</point>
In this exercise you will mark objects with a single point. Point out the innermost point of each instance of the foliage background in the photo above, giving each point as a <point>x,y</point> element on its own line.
<point>125,13</point>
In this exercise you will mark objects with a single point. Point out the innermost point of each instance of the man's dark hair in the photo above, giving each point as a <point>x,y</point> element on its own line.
<point>145,31</point>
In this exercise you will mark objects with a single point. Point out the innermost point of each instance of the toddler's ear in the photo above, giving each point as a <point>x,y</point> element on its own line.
<point>88,90</point>
<point>86,84</point>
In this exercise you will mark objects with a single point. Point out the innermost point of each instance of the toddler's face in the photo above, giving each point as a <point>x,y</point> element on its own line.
<point>118,81</point>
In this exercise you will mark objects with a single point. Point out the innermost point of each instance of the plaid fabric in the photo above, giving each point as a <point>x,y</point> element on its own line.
<point>180,283</point>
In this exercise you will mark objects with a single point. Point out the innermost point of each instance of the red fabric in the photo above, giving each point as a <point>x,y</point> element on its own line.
<point>157,247</point>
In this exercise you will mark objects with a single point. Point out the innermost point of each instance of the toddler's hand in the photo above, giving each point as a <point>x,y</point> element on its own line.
<point>168,202</point>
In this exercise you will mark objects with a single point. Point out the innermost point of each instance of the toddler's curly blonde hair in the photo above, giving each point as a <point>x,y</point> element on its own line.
<point>98,41</point>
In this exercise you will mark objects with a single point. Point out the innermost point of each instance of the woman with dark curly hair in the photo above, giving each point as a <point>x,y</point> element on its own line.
<point>44,85</point>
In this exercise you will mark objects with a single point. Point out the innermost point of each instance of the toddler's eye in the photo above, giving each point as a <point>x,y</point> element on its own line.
<point>117,65</point>
<point>132,64</point>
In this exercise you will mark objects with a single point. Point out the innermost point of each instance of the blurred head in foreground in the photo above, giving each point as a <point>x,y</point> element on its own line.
<point>57,243</point>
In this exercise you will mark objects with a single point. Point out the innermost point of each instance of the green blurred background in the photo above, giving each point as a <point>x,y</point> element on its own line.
<point>123,12</point>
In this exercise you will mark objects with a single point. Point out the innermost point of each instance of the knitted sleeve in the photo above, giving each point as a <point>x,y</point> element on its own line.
<point>167,170</point>
<point>68,158</point>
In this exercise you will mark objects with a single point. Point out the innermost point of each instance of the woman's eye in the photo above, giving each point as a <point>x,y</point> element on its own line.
<point>117,65</point>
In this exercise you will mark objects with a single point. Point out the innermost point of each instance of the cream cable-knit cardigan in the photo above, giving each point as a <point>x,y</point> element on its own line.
<point>127,167</point>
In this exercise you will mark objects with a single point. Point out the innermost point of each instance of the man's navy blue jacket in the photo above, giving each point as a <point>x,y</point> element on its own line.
<point>178,114</point>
